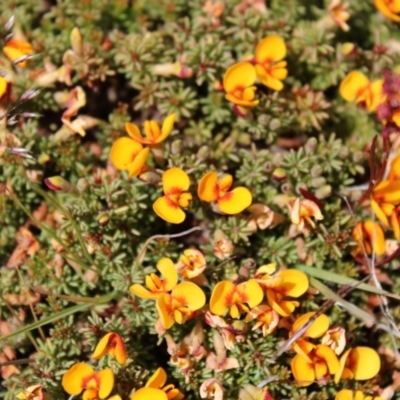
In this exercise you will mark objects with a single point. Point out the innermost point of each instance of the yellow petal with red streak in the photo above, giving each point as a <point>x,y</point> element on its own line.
<point>241,75</point>
<point>235,201</point>
<point>168,210</point>
<point>270,49</point>
<point>208,188</point>
<point>175,180</point>
<point>72,379</point>
<point>352,85</point>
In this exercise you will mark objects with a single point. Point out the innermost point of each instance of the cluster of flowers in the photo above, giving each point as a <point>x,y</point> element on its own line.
<point>266,65</point>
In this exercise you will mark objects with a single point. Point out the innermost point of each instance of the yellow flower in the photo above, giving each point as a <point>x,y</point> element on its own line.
<point>191,263</point>
<point>175,185</point>
<point>385,197</point>
<point>239,86</point>
<point>357,88</point>
<point>395,222</point>
<point>232,202</point>
<point>155,285</point>
<point>127,154</point>
<point>180,305</point>
<point>360,363</point>
<point>394,172</point>
<point>368,235</point>
<point>112,344</point>
<point>227,295</point>
<point>15,49</point>
<point>318,365</point>
<point>389,8</point>
<point>267,319</point>
<point>301,212</point>
<point>155,389</point>
<point>81,376</point>
<point>346,394</point>
<point>270,68</point>
<point>34,392</point>
<point>3,86</point>
<point>280,286</point>
<point>154,135</point>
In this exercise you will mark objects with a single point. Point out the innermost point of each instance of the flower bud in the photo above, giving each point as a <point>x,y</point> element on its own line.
<point>59,184</point>
<point>240,327</point>
<point>279,175</point>
<point>348,49</point>
<point>323,192</point>
<point>76,41</point>
<point>150,177</point>
<point>103,219</point>
<point>82,184</point>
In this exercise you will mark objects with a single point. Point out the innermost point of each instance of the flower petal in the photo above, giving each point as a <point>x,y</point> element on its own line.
<point>136,166</point>
<point>329,356</point>
<point>253,292</point>
<point>149,393</point>
<point>3,86</point>
<point>317,328</point>
<point>134,132</point>
<point>302,371</point>
<point>158,379</point>
<point>142,292</point>
<point>72,379</point>
<point>295,283</point>
<point>167,127</point>
<point>242,75</point>
<point>379,213</point>
<point>168,211</point>
<point>106,384</point>
<point>164,310</point>
<point>218,301</point>
<point>235,201</point>
<point>376,236</point>
<point>123,152</point>
<point>208,188</point>
<point>192,295</point>
<point>169,273</point>
<point>364,362</point>
<point>382,6</point>
<point>175,178</point>
<point>270,49</point>
<point>344,394</point>
<point>102,346</point>
<point>352,85</point>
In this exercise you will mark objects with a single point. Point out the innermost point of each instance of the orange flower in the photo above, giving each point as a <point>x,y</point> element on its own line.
<point>81,376</point>
<point>155,285</point>
<point>184,300</point>
<point>17,49</point>
<point>239,86</point>
<point>175,185</point>
<point>385,197</point>
<point>360,363</point>
<point>155,389</point>
<point>346,394</point>
<point>394,172</point>
<point>154,135</point>
<point>368,235</point>
<point>389,8</point>
<point>270,68</point>
<point>112,344</point>
<point>127,154</point>
<point>280,286</point>
<point>232,202</point>
<point>318,365</point>
<point>301,212</point>
<point>227,295</point>
<point>191,264</point>
<point>357,88</point>
<point>267,319</point>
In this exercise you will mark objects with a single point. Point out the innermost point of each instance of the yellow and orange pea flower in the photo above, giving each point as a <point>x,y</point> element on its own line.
<point>301,213</point>
<point>360,363</point>
<point>281,286</point>
<point>191,263</point>
<point>356,87</point>
<point>347,394</point>
<point>369,237</point>
<point>179,305</point>
<point>155,285</point>
<point>113,345</point>
<point>270,68</point>
<point>175,184</point>
<point>81,376</point>
<point>17,49</point>
<point>389,8</point>
<point>155,389</point>
<point>214,190</point>
<point>266,318</point>
<point>226,296</point>
<point>154,135</point>
<point>238,83</point>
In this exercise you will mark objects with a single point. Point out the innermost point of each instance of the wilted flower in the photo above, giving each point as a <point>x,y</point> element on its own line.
<point>184,300</point>
<point>155,389</point>
<point>223,246</point>
<point>191,263</point>
<point>219,361</point>
<point>81,376</point>
<point>360,363</point>
<point>301,212</point>
<point>335,338</point>
<point>175,184</point>
<point>235,298</point>
<point>112,344</point>
<point>357,88</point>
<point>154,135</point>
<point>232,202</point>
<point>270,68</point>
<point>212,389</point>
<point>262,217</point>
<point>266,318</point>
<point>155,285</point>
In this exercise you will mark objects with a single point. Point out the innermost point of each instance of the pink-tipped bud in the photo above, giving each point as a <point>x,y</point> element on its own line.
<point>59,184</point>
